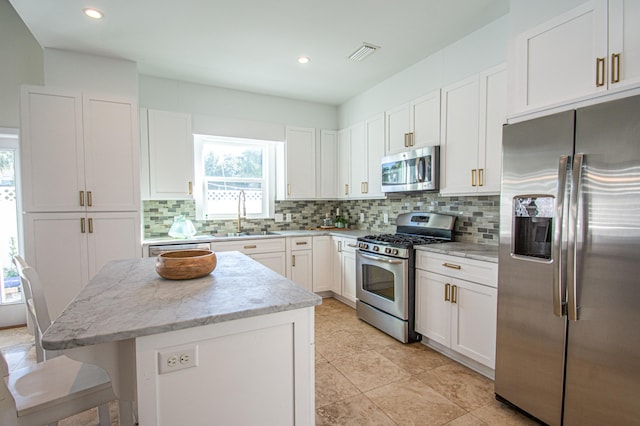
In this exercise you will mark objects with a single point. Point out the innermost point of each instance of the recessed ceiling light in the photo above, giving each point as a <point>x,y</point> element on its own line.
<point>304,60</point>
<point>93,13</point>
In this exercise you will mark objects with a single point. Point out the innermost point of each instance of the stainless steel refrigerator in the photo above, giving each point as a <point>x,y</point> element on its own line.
<point>568,338</point>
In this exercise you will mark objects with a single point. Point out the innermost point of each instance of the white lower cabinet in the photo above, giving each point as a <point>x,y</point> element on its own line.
<point>456,304</point>
<point>322,273</point>
<point>344,268</point>
<point>67,249</point>
<point>268,251</point>
<point>300,261</point>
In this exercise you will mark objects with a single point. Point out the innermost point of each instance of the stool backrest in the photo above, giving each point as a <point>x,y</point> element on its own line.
<point>35,298</point>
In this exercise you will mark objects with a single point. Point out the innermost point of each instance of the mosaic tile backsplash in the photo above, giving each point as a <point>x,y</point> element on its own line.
<point>478,216</point>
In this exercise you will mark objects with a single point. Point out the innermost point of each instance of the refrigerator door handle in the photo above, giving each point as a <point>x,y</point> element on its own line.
<point>559,258</point>
<point>572,267</point>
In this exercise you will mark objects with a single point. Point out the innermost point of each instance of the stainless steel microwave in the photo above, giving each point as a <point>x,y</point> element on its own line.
<point>416,170</point>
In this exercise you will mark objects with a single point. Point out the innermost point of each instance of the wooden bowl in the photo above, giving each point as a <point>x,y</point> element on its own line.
<point>185,264</point>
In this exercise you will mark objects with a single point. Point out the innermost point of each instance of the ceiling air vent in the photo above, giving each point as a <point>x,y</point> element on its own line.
<point>363,51</point>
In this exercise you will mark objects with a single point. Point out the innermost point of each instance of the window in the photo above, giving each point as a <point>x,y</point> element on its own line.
<point>10,289</point>
<point>225,166</point>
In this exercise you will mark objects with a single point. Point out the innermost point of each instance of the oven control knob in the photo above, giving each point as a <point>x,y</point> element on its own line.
<point>387,250</point>
<point>376,248</point>
<point>364,245</point>
<point>395,252</point>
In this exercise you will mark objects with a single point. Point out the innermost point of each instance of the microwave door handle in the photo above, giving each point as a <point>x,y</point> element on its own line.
<point>420,169</point>
<point>557,251</point>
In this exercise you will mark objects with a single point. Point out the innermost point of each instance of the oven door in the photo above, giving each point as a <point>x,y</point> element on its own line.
<point>383,282</point>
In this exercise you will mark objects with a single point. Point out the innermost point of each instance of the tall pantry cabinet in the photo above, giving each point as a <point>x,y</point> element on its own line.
<point>80,186</point>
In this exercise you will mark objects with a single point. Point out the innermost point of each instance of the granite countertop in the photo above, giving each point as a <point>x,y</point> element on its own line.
<point>352,233</point>
<point>127,299</point>
<point>483,252</point>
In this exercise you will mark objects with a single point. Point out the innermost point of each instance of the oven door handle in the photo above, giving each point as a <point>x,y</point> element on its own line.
<point>380,259</point>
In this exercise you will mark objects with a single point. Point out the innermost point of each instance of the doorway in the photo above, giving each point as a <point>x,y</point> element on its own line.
<point>12,311</point>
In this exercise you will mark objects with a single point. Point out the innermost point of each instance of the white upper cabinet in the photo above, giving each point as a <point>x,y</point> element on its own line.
<point>425,120</point>
<point>344,159</point>
<point>328,166</point>
<point>374,130</point>
<point>397,129</point>
<point>585,52</point>
<point>170,155</point>
<point>300,158</point>
<point>413,125</point>
<point>624,43</point>
<point>493,115</point>
<point>459,151</point>
<point>79,152</point>
<point>361,148</point>
<point>473,112</point>
<point>359,162</point>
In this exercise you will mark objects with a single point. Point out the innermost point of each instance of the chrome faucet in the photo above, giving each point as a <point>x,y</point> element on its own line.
<point>242,209</point>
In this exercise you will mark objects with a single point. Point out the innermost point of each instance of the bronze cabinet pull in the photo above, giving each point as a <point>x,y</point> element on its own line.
<point>91,225</point>
<point>301,243</point>
<point>600,79</point>
<point>473,177</point>
<point>89,199</point>
<point>190,188</point>
<point>480,177</point>
<point>451,265</point>
<point>82,226</point>
<point>454,294</point>
<point>293,260</point>
<point>81,198</point>
<point>615,68</point>
<point>251,246</point>
<point>447,292</point>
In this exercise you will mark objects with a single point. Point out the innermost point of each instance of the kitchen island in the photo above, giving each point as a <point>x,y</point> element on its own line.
<point>233,347</point>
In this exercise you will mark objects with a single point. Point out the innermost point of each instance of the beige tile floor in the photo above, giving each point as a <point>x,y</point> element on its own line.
<point>363,377</point>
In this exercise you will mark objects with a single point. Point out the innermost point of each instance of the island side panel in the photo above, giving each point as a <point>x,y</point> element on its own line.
<point>257,370</point>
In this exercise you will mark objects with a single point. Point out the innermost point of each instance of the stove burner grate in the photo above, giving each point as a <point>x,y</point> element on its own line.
<point>402,239</point>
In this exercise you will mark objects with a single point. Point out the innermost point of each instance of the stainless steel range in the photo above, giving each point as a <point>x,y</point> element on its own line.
<point>385,268</point>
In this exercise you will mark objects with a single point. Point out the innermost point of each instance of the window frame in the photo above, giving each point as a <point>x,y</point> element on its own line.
<point>269,176</point>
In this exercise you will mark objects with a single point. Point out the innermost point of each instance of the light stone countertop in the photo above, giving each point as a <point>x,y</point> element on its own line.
<point>353,233</point>
<point>487,253</point>
<point>127,299</point>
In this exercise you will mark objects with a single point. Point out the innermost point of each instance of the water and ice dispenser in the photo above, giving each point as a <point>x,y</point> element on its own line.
<point>532,226</point>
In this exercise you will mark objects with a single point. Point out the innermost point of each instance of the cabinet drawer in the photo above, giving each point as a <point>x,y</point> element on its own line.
<point>266,245</point>
<point>300,243</point>
<point>459,267</point>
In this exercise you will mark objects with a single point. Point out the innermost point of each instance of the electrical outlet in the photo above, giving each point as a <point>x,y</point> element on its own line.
<point>177,359</point>
<point>361,217</point>
<point>288,217</point>
<point>385,217</point>
<point>279,217</point>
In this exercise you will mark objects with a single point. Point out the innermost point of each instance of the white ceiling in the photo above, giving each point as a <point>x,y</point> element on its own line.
<point>253,45</point>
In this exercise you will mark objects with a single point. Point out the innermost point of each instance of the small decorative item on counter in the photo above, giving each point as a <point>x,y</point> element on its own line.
<point>186,264</point>
<point>341,222</point>
<point>327,222</point>
<point>182,227</point>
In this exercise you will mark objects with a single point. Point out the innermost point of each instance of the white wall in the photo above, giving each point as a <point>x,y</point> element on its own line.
<point>480,50</point>
<point>228,112</point>
<point>21,59</point>
<point>97,74</point>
